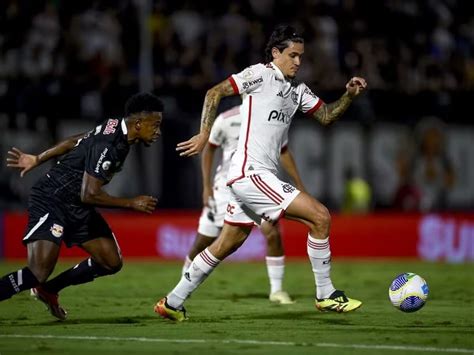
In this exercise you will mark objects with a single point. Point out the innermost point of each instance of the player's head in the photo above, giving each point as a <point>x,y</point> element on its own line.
<point>285,48</point>
<point>143,113</point>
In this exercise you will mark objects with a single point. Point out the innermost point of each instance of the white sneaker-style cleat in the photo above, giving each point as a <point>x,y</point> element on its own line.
<point>281,297</point>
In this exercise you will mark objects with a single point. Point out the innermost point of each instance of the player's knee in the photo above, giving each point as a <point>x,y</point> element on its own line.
<point>113,266</point>
<point>272,234</point>
<point>116,267</point>
<point>321,218</point>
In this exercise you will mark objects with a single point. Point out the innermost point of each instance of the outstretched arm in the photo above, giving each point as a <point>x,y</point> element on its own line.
<point>206,170</point>
<point>26,162</point>
<point>288,163</point>
<point>93,194</point>
<point>329,113</point>
<point>214,95</point>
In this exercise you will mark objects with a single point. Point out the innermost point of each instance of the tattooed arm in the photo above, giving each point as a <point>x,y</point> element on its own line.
<point>328,113</point>
<point>211,101</point>
<point>213,96</point>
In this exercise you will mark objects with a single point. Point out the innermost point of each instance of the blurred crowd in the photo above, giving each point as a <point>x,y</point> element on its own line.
<point>63,59</point>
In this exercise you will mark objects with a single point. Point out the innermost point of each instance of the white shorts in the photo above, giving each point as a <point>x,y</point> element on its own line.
<point>212,221</point>
<point>259,197</point>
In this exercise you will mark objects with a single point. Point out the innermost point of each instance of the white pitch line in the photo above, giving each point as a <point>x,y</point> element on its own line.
<point>239,341</point>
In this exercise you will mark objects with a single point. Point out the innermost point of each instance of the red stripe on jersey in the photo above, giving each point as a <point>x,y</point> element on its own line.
<point>265,191</point>
<point>245,145</point>
<point>283,149</point>
<point>315,107</point>
<point>213,145</point>
<point>234,85</point>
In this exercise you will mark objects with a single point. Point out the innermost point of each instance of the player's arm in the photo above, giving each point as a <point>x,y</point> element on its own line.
<point>329,113</point>
<point>92,193</point>
<point>206,170</point>
<point>289,165</point>
<point>26,162</point>
<point>214,95</point>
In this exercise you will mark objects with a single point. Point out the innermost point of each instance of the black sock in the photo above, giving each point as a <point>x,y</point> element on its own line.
<point>86,271</point>
<point>17,281</point>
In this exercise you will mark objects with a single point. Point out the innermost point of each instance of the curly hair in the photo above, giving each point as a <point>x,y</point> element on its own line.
<point>280,38</point>
<point>143,102</point>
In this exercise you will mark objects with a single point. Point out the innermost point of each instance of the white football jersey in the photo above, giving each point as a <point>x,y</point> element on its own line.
<point>269,103</point>
<point>225,135</point>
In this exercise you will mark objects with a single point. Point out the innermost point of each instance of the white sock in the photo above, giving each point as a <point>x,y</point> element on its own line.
<point>186,264</point>
<point>276,270</point>
<point>202,265</point>
<point>320,257</point>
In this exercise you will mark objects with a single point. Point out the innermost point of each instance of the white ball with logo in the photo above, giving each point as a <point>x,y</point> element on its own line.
<point>408,292</point>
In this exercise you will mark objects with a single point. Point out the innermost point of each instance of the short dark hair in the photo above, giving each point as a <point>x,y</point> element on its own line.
<point>280,38</point>
<point>143,102</point>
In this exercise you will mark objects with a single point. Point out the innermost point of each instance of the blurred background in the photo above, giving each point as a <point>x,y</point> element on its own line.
<point>405,145</point>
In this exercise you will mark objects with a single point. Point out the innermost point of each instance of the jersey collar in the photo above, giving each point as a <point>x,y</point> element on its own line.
<point>279,74</point>
<point>124,126</point>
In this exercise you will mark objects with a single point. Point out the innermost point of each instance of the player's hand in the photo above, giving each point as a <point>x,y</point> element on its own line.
<point>145,204</point>
<point>193,146</point>
<point>19,160</point>
<point>355,86</point>
<point>207,194</point>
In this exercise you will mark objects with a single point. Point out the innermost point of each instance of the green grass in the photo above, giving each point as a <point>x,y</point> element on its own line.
<point>230,310</point>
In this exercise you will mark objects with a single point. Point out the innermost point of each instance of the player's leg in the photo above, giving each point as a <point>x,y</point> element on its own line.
<point>207,232</point>
<point>230,239</point>
<point>200,243</point>
<point>236,229</point>
<point>105,257</point>
<point>42,257</point>
<point>275,261</point>
<point>43,238</point>
<point>315,215</point>
<point>105,260</point>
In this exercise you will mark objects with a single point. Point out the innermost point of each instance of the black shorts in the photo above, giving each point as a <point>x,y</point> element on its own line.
<point>74,224</point>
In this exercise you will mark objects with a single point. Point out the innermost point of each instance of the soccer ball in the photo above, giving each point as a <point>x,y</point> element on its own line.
<point>408,292</point>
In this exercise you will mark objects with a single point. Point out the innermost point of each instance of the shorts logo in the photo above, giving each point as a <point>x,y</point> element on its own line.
<point>288,189</point>
<point>57,230</point>
<point>106,165</point>
<point>230,209</point>
<point>210,216</point>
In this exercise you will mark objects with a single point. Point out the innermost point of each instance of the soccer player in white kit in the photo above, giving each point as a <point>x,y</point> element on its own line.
<point>225,135</point>
<point>271,95</point>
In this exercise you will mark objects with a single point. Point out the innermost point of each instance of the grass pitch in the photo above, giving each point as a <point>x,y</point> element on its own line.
<point>230,313</point>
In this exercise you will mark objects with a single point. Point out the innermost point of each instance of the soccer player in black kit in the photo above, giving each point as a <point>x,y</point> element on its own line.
<point>62,203</point>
